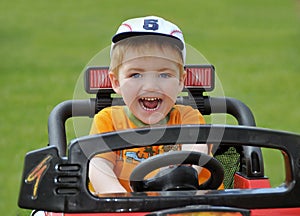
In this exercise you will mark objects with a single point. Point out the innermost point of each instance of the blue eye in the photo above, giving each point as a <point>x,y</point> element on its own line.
<point>165,75</point>
<point>136,75</point>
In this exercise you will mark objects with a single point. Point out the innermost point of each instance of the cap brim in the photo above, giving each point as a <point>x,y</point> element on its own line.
<point>124,35</point>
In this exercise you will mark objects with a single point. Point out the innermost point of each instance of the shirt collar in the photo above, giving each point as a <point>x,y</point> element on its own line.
<point>137,122</point>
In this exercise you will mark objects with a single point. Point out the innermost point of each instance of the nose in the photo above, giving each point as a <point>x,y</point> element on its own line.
<point>151,82</point>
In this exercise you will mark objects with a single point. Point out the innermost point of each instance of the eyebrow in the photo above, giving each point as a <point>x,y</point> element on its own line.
<point>136,69</point>
<point>165,69</point>
<point>142,70</point>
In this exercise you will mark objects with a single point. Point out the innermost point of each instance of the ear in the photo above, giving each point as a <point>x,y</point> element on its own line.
<point>114,82</point>
<point>181,81</point>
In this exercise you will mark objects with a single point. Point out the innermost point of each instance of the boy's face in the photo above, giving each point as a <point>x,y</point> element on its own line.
<point>149,84</point>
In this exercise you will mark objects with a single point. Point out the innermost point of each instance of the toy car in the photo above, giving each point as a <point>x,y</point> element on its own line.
<point>55,177</point>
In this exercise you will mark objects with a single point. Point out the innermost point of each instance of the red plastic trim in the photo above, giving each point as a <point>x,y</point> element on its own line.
<point>241,182</point>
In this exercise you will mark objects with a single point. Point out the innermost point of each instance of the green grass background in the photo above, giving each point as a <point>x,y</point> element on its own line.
<point>44,46</point>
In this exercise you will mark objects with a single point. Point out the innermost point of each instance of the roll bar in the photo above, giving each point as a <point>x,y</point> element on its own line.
<point>252,167</point>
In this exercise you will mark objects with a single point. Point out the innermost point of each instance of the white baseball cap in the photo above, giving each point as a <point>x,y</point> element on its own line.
<point>150,25</point>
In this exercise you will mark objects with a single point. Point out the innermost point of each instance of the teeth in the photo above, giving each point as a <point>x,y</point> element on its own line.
<point>148,109</point>
<point>150,99</point>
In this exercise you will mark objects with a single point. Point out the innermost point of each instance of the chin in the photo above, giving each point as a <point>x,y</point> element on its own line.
<point>152,121</point>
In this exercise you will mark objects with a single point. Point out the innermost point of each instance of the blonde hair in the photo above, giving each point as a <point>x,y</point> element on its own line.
<point>141,44</point>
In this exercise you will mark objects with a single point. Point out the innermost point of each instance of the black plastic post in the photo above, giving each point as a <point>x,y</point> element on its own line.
<point>59,116</point>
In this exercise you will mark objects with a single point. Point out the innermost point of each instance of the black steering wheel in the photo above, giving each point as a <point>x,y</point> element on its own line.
<point>185,176</point>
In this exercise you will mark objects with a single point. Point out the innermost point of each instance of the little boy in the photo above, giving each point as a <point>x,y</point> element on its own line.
<point>147,70</point>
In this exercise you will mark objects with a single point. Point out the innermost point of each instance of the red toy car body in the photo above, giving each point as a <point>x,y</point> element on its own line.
<point>55,177</point>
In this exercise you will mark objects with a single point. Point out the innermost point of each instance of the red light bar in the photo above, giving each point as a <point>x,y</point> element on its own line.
<point>98,78</point>
<point>198,77</point>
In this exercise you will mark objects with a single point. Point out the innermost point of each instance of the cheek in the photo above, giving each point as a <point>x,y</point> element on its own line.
<point>129,91</point>
<point>129,86</point>
<point>172,88</point>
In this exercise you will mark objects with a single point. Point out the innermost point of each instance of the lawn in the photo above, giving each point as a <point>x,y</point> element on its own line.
<point>45,45</point>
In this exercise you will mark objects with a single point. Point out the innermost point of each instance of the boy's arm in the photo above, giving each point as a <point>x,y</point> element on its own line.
<point>193,116</point>
<point>197,148</point>
<point>103,177</point>
<point>101,171</point>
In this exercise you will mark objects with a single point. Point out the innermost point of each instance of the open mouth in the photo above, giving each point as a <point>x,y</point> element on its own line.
<point>150,103</point>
